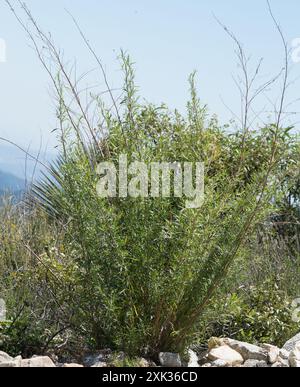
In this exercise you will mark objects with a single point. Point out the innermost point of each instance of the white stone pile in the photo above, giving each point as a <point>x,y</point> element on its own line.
<point>233,353</point>
<point>221,353</point>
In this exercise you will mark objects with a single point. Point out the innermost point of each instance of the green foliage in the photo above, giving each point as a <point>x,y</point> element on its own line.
<point>261,314</point>
<point>147,268</point>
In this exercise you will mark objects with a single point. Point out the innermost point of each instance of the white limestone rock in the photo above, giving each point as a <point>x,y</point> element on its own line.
<point>248,351</point>
<point>168,359</point>
<point>227,354</point>
<point>284,354</point>
<point>291,344</point>
<point>193,359</point>
<point>272,353</point>
<point>4,357</point>
<point>294,358</point>
<point>220,364</point>
<point>38,362</point>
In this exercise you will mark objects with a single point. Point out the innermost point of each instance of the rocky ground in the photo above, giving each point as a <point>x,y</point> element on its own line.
<point>220,353</point>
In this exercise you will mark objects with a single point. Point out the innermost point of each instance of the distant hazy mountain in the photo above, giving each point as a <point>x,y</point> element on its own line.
<point>10,183</point>
<point>14,161</point>
<point>16,168</point>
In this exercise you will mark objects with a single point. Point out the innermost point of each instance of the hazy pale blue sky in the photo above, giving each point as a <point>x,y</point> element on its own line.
<point>166,38</point>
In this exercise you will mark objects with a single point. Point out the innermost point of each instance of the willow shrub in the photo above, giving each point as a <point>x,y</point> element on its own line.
<point>144,270</point>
